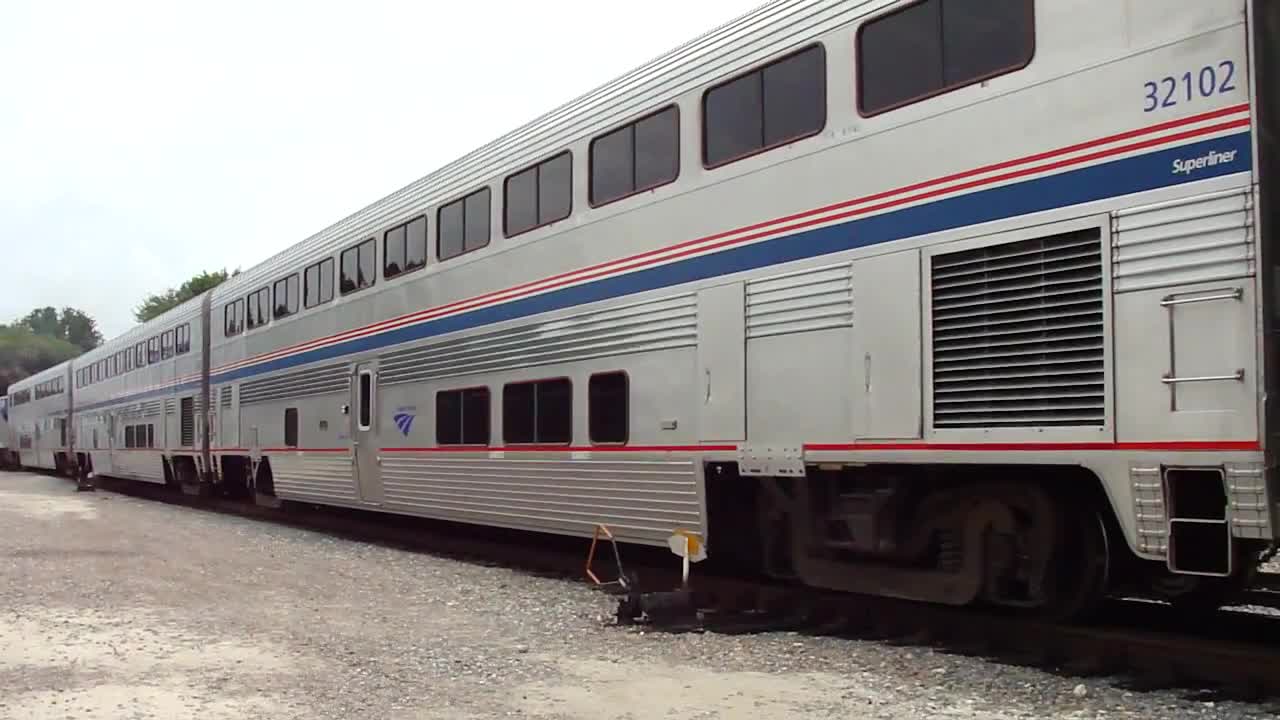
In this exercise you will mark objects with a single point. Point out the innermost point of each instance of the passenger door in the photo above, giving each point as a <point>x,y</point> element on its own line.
<point>364,432</point>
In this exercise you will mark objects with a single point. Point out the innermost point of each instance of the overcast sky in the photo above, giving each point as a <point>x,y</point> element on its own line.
<point>144,141</point>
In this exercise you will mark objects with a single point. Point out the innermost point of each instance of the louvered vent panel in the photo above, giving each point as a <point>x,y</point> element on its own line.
<point>188,422</point>
<point>225,394</point>
<point>1018,334</point>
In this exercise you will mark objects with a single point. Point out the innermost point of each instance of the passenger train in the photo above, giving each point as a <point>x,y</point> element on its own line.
<point>963,302</point>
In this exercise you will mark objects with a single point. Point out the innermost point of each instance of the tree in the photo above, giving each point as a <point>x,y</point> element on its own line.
<point>24,353</point>
<point>71,325</point>
<point>156,305</point>
<point>79,329</point>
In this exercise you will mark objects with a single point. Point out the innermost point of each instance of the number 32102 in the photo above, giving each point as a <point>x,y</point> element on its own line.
<point>1211,80</point>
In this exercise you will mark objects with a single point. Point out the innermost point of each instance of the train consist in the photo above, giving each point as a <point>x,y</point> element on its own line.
<point>964,302</point>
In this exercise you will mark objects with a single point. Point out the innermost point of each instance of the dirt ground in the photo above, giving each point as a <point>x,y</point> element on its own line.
<point>116,607</point>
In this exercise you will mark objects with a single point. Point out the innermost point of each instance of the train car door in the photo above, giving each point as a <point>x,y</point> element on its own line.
<point>364,432</point>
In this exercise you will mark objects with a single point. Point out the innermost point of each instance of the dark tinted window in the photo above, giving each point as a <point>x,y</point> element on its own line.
<point>938,45</point>
<point>657,149</point>
<point>357,267</point>
<point>393,252</point>
<point>475,416</point>
<point>463,225</point>
<point>184,338</point>
<point>983,37</point>
<point>258,308</point>
<point>795,97</point>
<point>233,318</point>
<point>733,121</point>
<point>636,157</point>
<point>291,427</point>
<point>519,413</point>
<point>462,417</point>
<point>153,350</point>
<point>607,408</point>
<point>521,206</point>
<point>151,436</point>
<point>366,400</point>
<point>318,283</point>
<point>404,247</point>
<point>449,418</point>
<point>539,195</point>
<point>166,345</point>
<point>612,165</point>
<point>284,296</point>
<point>128,436</point>
<point>477,220</point>
<point>538,412</point>
<point>449,228</point>
<point>415,244</point>
<point>779,103</point>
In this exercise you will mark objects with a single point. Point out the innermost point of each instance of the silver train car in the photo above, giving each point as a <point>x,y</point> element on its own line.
<point>6,441</point>
<point>953,301</point>
<point>39,409</point>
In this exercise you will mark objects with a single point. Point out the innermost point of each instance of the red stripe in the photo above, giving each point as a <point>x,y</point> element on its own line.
<point>640,259</point>
<point>563,448</point>
<point>310,450</point>
<point>1174,446</point>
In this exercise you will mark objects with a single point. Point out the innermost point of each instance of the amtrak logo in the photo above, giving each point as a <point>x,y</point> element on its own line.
<point>404,421</point>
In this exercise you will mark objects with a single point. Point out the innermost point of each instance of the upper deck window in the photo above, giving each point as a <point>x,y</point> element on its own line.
<point>356,267</point>
<point>285,295</point>
<point>258,308</point>
<point>539,195</point>
<point>930,47</point>
<point>233,318</point>
<point>779,103</point>
<point>463,225</point>
<point>404,248</point>
<point>317,283</point>
<point>636,157</point>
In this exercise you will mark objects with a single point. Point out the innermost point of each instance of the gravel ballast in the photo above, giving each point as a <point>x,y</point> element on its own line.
<point>118,607</point>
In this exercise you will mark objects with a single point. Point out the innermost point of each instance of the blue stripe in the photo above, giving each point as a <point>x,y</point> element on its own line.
<point>1099,182</point>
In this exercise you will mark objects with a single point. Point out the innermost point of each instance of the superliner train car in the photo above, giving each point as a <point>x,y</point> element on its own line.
<point>39,415</point>
<point>964,301</point>
<point>6,441</point>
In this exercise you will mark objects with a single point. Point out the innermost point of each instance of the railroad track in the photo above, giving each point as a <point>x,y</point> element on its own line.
<point>1226,654</point>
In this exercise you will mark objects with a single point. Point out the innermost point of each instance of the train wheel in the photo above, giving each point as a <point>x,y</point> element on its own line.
<point>1080,569</point>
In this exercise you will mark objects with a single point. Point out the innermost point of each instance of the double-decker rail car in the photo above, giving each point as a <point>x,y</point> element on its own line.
<point>138,400</point>
<point>947,300</point>
<point>39,418</point>
<point>6,441</point>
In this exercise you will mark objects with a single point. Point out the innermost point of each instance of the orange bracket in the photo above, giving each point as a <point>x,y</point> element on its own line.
<point>617,558</point>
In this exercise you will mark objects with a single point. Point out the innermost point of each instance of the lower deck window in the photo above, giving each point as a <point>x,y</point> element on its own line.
<point>607,407</point>
<point>538,412</point>
<point>462,417</point>
<point>291,427</point>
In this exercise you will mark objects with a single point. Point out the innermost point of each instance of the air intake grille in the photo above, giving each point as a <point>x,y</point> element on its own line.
<point>1018,334</point>
<point>188,418</point>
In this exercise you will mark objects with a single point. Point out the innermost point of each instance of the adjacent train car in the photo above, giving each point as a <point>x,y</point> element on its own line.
<point>6,441</point>
<point>39,418</point>
<point>953,301</point>
<point>138,403</point>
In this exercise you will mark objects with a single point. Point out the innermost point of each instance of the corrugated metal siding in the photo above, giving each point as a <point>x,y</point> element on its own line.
<point>817,299</point>
<point>1018,334</point>
<point>640,500</point>
<point>319,478</point>
<point>148,466</point>
<point>303,383</point>
<point>628,329</point>
<point>1200,239</point>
